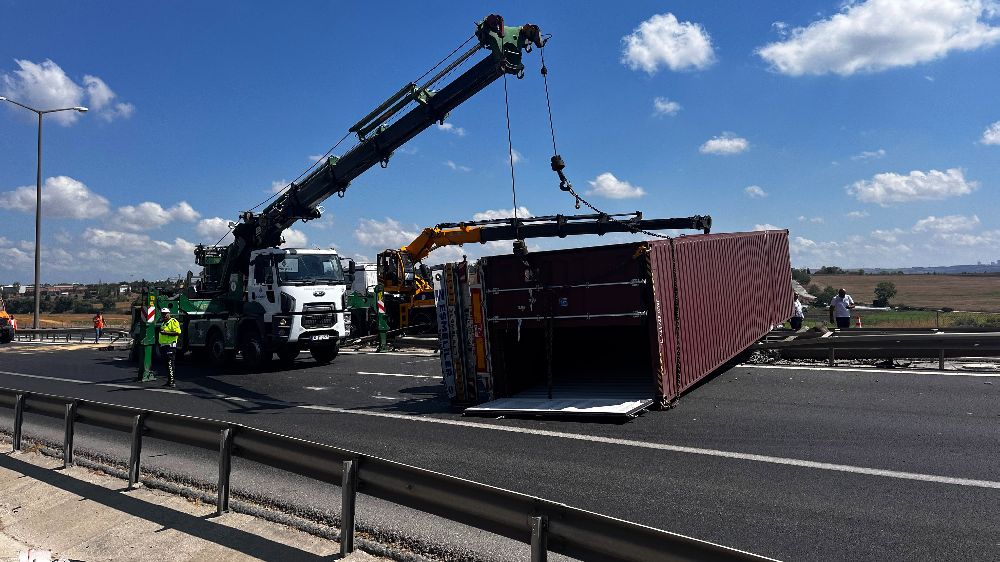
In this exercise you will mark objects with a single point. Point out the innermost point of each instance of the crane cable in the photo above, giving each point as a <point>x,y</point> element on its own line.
<point>510,159</point>
<point>566,185</point>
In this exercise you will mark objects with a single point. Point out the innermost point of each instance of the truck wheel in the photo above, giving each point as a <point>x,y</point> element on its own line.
<point>287,355</point>
<point>252,350</point>
<point>6,337</point>
<point>324,354</point>
<point>216,346</point>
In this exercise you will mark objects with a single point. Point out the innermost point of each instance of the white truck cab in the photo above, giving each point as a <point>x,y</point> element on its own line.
<point>300,297</point>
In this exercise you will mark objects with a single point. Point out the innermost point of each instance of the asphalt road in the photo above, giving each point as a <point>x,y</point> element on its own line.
<point>797,464</point>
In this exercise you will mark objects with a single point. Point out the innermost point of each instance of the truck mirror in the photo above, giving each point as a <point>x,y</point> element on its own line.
<point>351,267</point>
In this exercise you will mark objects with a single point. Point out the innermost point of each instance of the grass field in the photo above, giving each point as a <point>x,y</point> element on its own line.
<point>47,320</point>
<point>959,292</point>
<point>908,319</point>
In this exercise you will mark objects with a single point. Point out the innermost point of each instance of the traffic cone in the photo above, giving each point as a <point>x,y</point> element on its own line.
<point>858,323</point>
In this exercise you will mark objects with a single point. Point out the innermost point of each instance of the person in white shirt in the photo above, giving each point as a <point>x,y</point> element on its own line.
<point>798,314</point>
<point>840,309</point>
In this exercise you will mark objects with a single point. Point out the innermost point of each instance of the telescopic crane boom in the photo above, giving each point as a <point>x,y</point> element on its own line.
<point>378,138</point>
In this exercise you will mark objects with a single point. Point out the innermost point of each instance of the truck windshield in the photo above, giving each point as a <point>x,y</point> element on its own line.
<point>296,269</point>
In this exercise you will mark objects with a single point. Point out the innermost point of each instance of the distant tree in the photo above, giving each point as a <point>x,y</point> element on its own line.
<point>861,272</point>
<point>802,276</point>
<point>884,291</point>
<point>830,270</point>
<point>824,296</point>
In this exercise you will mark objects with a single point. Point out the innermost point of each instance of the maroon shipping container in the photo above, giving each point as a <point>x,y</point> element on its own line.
<point>642,321</point>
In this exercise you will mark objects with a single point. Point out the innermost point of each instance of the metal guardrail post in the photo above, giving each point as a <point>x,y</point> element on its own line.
<point>225,469</point>
<point>833,355</point>
<point>136,453</point>
<point>349,492</point>
<point>68,435</point>
<point>941,359</point>
<point>18,419</point>
<point>539,548</point>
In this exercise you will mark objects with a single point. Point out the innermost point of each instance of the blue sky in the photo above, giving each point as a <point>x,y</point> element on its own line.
<point>869,129</point>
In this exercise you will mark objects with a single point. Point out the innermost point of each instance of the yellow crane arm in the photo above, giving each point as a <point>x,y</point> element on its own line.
<point>433,238</point>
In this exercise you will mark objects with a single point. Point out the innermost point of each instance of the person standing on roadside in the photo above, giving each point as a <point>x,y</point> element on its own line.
<point>170,331</point>
<point>840,309</point>
<point>98,326</point>
<point>798,314</point>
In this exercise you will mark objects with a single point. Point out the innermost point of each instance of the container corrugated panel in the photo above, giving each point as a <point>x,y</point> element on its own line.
<point>730,289</point>
<point>663,347</point>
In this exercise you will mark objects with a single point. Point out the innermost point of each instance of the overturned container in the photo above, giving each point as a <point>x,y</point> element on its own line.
<point>608,330</point>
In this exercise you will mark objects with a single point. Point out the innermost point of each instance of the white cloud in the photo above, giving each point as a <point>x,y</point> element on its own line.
<point>869,155</point>
<point>277,186</point>
<point>857,214</point>
<point>457,167</point>
<point>814,220</point>
<point>881,34</point>
<point>662,106</point>
<point>887,235</point>
<point>725,144</point>
<point>766,226</point>
<point>384,234</point>
<point>992,134</point>
<point>516,157</point>
<point>62,197</point>
<point>450,128</point>
<point>101,100</point>
<point>755,191</point>
<point>607,185</point>
<point>492,214</point>
<point>313,158</point>
<point>950,223</point>
<point>45,85</point>
<point>294,238</point>
<point>890,187</point>
<point>149,215</point>
<point>663,41</point>
<point>213,229</point>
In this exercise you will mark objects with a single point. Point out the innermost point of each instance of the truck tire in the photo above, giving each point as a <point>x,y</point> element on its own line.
<point>6,337</point>
<point>252,350</point>
<point>324,354</point>
<point>216,348</point>
<point>287,355</point>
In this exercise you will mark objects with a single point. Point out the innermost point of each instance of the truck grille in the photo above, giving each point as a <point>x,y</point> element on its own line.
<point>318,316</point>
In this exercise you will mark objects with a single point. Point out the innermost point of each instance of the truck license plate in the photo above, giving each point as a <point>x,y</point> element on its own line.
<point>321,337</point>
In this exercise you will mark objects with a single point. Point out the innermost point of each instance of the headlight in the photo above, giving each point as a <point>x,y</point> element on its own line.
<point>284,321</point>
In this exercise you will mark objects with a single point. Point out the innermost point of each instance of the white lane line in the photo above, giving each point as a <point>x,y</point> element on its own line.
<point>77,381</point>
<point>397,375</point>
<point>392,353</point>
<point>678,449</point>
<point>386,398</point>
<point>929,372</point>
<point>612,441</point>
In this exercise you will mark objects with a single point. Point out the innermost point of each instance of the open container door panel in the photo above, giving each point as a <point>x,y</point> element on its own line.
<point>569,332</point>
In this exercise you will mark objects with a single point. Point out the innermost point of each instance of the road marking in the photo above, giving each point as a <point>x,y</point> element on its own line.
<point>386,398</point>
<point>395,353</point>
<point>850,469</point>
<point>397,375</point>
<point>930,372</point>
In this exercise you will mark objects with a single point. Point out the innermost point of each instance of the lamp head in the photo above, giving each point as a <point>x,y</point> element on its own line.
<point>3,98</point>
<point>81,109</point>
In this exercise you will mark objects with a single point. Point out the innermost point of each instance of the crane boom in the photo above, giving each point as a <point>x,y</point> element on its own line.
<point>378,138</point>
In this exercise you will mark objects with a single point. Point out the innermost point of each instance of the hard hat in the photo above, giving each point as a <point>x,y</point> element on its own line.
<point>164,309</point>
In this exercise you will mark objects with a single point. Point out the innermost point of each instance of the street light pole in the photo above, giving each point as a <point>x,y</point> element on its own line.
<point>38,200</point>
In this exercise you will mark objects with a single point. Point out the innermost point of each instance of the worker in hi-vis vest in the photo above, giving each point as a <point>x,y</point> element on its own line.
<point>170,330</point>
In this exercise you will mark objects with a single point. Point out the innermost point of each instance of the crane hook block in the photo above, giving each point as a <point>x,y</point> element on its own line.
<point>558,166</point>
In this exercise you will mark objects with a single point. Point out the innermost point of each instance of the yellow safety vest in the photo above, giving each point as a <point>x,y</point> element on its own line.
<point>169,332</point>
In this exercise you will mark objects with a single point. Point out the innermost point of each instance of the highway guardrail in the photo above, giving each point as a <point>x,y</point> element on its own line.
<point>545,525</point>
<point>66,334</point>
